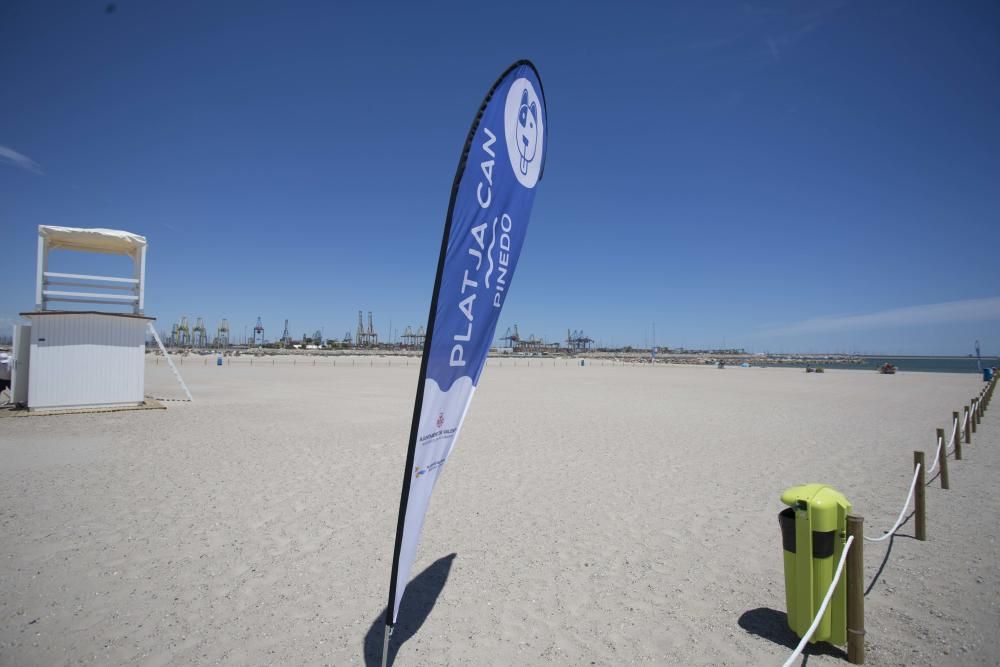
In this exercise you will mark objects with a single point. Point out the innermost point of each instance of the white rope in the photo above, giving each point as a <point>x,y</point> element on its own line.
<point>822,608</point>
<point>954,432</point>
<point>902,513</point>
<point>937,457</point>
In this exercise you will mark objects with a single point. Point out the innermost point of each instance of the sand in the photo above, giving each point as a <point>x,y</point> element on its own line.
<point>589,516</point>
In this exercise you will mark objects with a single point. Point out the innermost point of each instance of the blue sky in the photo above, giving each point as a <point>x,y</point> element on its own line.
<point>778,176</point>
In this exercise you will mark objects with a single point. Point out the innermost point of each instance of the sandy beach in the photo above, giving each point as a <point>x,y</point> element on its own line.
<point>596,515</point>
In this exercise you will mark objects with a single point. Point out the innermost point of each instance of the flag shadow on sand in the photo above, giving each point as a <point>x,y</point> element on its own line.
<point>421,595</point>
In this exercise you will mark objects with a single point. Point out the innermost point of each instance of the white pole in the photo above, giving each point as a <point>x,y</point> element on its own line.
<point>40,280</point>
<point>142,279</point>
<point>159,342</point>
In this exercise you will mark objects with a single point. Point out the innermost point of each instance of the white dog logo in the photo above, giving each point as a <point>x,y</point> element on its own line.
<point>527,130</point>
<point>524,130</point>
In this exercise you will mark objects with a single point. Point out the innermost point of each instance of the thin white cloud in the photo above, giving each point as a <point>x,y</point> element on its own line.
<point>970,310</point>
<point>773,46</point>
<point>12,157</point>
<point>753,25</point>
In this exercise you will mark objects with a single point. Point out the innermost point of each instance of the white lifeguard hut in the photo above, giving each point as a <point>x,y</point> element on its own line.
<point>93,357</point>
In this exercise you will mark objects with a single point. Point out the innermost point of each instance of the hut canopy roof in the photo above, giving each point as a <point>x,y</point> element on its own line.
<point>112,241</point>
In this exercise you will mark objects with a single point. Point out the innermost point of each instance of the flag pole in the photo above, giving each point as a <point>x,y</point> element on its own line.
<point>431,318</point>
<point>385,645</point>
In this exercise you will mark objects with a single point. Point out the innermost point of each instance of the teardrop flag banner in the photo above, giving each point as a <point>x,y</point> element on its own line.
<point>491,197</point>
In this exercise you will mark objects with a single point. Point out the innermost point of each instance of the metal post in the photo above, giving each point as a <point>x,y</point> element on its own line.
<point>385,645</point>
<point>944,460</point>
<point>856,591</point>
<point>958,437</point>
<point>920,507</point>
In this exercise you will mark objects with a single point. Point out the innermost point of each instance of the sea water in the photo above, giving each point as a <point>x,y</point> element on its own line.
<point>904,364</point>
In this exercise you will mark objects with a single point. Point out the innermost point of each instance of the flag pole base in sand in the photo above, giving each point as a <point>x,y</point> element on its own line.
<point>385,645</point>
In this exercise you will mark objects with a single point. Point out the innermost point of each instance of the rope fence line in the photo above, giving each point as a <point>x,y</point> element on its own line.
<point>937,457</point>
<point>822,608</point>
<point>960,430</point>
<point>902,513</point>
<point>952,444</point>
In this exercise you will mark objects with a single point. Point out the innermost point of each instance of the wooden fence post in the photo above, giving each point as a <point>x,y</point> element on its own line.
<point>972,414</point>
<point>856,591</point>
<point>919,500</point>
<point>958,437</point>
<point>943,461</point>
<point>967,428</point>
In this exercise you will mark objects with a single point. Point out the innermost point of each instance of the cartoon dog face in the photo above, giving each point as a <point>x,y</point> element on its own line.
<point>527,130</point>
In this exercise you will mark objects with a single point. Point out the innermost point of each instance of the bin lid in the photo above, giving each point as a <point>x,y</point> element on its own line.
<point>817,496</point>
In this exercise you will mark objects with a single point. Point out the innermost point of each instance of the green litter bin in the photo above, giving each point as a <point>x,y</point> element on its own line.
<point>813,532</point>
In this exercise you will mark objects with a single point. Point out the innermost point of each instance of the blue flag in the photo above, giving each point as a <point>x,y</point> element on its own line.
<point>491,199</point>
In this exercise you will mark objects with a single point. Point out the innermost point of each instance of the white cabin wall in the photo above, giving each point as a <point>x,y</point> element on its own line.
<point>86,359</point>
